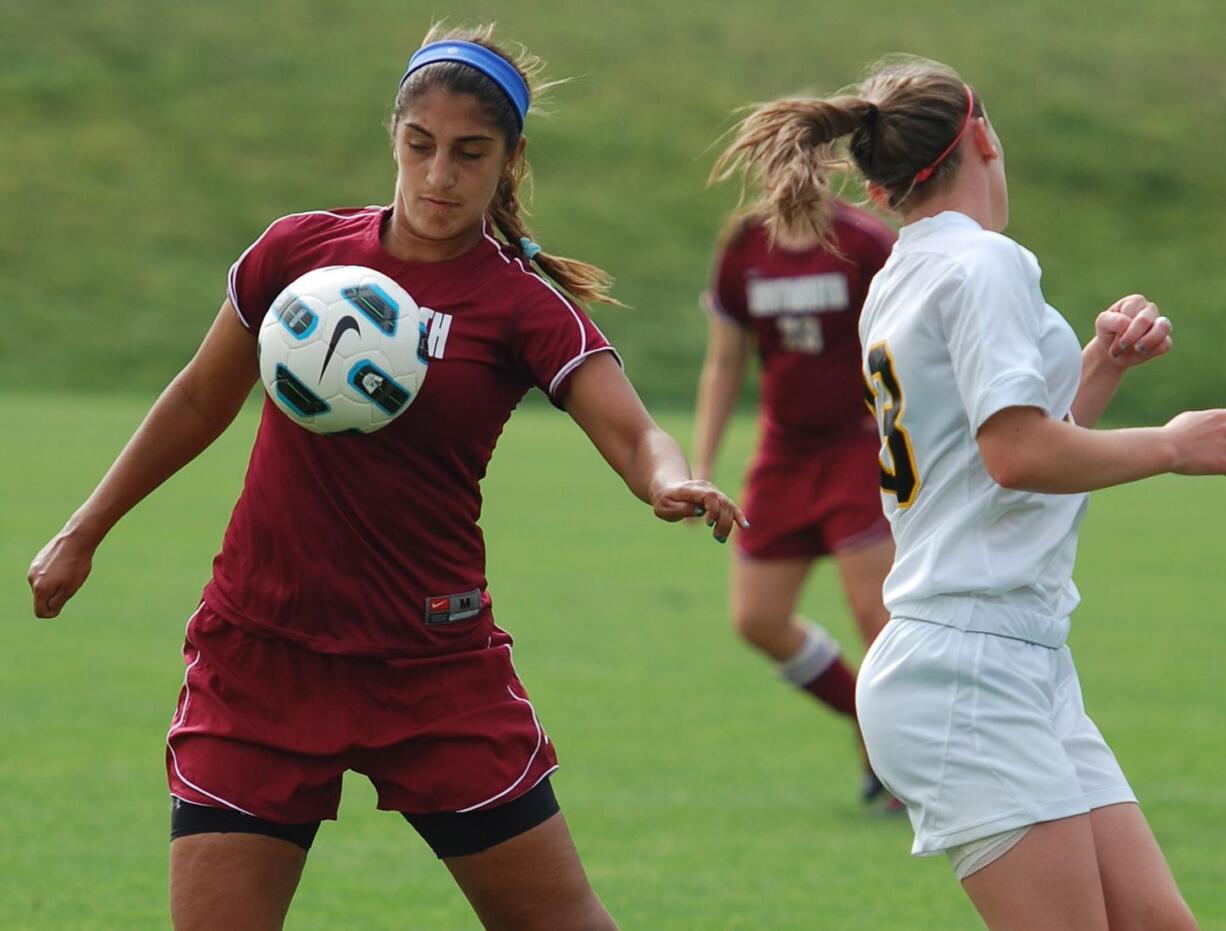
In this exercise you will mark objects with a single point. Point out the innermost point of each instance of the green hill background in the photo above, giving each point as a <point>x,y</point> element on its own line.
<point>145,144</point>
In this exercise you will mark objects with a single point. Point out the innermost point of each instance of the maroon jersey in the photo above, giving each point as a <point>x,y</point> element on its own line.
<point>803,308</point>
<point>369,544</point>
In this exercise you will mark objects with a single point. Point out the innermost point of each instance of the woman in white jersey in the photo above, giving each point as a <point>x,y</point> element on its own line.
<point>969,701</point>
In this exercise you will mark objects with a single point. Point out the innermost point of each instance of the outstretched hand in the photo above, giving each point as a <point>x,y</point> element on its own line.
<point>1132,331</point>
<point>695,498</point>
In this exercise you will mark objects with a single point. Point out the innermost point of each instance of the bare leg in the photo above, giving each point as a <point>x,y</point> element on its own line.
<point>1049,880</point>
<point>863,571</point>
<point>240,882</point>
<point>1140,891</point>
<point>533,882</point>
<point>763,595</point>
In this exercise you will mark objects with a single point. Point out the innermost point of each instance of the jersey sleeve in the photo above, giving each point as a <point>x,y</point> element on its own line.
<point>726,296</point>
<point>992,322</point>
<point>553,337</point>
<point>257,276</point>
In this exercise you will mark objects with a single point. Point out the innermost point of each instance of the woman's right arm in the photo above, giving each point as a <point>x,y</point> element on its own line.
<point>718,387</point>
<point>195,408</point>
<point>1023,448</point>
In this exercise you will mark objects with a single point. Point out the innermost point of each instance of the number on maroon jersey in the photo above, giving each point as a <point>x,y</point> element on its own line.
<point>884,395</point>
<point>800,333</point>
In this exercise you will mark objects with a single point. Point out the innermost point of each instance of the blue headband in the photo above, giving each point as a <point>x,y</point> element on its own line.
<point>491,64</point>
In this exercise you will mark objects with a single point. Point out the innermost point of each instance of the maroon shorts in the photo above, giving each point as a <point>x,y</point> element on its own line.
<point>806,503</point>
<point>267,727</point>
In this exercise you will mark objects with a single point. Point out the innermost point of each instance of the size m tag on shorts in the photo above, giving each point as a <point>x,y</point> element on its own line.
<point>448,609</point>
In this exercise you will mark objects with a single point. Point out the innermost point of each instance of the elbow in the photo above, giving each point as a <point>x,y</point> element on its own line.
<point>1014,445</point>
<point>1009,468</point>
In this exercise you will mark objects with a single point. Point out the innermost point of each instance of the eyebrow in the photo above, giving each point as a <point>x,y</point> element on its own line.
<point>472,138</point>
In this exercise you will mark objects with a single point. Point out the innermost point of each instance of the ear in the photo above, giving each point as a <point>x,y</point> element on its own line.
<point>878,195</point>
<point>519,150</point>
<point>982,138</point>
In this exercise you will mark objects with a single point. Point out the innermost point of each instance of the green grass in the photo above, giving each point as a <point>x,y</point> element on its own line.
<point>146,144</point>
<point>703,794</point>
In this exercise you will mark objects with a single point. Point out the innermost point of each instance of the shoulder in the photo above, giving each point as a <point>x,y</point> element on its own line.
<point>855,226</point>
<point>742,230</point>
<point>294,226</point>
<point>994,256</point>
<point>512,277</point>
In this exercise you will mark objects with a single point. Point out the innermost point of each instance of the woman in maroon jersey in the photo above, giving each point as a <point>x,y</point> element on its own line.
<point>813,488</point>
<point>320,645</point>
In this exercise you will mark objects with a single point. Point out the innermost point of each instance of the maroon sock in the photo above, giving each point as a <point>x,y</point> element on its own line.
<point>836,687</point>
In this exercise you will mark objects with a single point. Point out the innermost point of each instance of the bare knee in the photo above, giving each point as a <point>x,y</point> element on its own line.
<point>752,627</point>
<point>773,634</point>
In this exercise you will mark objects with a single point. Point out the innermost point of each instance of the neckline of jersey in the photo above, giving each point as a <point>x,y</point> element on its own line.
<point>375,237</point>
<point>944,218</point>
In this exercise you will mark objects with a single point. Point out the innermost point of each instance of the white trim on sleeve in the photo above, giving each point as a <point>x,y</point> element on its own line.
<point>1014,389</point>
<point>583,352</point>
<point>574,363</point>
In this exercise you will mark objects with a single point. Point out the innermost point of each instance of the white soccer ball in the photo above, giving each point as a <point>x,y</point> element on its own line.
<point>343,350</point>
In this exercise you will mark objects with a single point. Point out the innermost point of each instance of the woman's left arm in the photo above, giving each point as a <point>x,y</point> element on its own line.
<point>1129,332</point>
<point>605,405</point>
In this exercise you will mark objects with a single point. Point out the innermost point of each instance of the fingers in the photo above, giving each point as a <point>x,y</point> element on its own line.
<point>49,600</point>
<point>696,499</point>
<point>1157,339</point>
<point>54,578</point>
<point>722,515</point>
<point>1134,329</point>
<point>1142,322</point>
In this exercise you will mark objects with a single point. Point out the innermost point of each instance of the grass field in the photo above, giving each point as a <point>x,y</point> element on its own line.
<point>702,793</point>
<point>148,144</point>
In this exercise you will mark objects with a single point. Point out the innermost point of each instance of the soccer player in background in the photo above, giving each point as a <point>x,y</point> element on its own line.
<point>812,488</point>
<point>969,701</point>
<point>323,643</point>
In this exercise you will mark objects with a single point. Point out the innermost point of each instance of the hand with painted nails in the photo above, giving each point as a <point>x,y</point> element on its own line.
<point>1132,330</point>
<point>698,499</point>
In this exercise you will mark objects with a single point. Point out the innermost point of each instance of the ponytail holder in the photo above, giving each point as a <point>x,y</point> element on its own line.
<point>529,248</point>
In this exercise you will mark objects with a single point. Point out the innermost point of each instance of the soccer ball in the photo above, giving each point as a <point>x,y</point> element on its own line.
<point>343,350</point>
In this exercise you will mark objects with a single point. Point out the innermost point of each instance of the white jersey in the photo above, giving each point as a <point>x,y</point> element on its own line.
<point>954,329</point>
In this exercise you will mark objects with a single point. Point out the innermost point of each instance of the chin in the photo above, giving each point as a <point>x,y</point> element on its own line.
<point>434,231</point>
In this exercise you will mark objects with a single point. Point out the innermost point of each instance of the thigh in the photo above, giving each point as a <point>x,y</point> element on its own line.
<point>766,591</point>
<point>958,726</point>
<point>232,881</point>
<point>256,730</point>
<point>1102,780</point>
<point>847,494</point>
<point>455,733</point>
<point>781,501</point>
<point>1137,883</point>
<point>1049,880</point>
<point>862,570</point>
<point>532,882</point>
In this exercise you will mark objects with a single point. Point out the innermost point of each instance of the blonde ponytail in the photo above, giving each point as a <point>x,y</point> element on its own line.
<point>790,150</point>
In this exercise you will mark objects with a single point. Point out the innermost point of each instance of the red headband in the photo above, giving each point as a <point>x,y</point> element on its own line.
<point>926,173</point>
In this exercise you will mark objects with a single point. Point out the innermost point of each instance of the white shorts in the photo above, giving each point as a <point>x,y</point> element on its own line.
<point>979,734</point>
